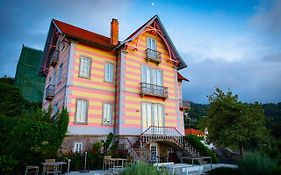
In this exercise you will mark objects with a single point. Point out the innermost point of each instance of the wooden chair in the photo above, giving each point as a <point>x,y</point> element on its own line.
<point>49,169</point>
<point>106,162</point>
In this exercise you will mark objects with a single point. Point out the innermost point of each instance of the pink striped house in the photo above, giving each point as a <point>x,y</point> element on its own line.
<point>130,88</point>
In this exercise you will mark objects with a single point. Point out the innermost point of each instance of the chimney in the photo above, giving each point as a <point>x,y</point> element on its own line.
<point>114,31</point>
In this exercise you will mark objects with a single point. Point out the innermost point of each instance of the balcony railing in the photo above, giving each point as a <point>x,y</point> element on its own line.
<point>55,58</point>
<point>184,104</point>
<point>153,90</point>
<point>50,92</point>
<point>153,56</point>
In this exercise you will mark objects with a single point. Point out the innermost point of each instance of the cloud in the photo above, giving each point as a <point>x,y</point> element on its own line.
<point>27,22</point>
<point>268,18</point>
<point>254,81</point>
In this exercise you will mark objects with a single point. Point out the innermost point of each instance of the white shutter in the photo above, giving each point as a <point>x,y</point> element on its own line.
<point>109,72</point>
<point>107,113</point>
<point>81,111</point>
<point>85,66</point>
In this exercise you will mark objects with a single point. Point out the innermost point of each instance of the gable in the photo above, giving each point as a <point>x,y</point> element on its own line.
<point>155,26</point>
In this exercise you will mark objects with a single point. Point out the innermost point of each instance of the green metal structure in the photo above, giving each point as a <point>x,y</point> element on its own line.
<point>27,78</point>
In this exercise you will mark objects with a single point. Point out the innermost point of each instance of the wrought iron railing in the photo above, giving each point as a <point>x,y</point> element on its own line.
<point>50,92</point>
<point>55,58</point>
<point>184,104</point>
<point>153,55</point>
<point>154,90</point>
<point>162,132</point>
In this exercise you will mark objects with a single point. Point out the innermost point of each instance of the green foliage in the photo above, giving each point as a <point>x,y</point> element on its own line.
<point>224,171</point>
<point>7,80</point>
<point>196,112</point>
<point>107,143</point>
<point>142,169</point>
<point>32,137</point>
<point>7,164</point>
<point>258,164</point>
<point>231,122</point>
<point>204,151</point>
<point>11,104</point>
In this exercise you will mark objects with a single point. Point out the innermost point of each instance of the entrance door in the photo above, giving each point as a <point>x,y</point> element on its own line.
<point>153,152</point>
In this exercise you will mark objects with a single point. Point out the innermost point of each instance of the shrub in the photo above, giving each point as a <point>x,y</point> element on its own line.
<point>204,151</point>
<point>33,137</point>
<point>142,169</point>
<point>258,164</point>
<point>224,171</point>
<point>7,164</point>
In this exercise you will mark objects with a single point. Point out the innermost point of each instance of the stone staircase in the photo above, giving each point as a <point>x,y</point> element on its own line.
<point>139,151</point>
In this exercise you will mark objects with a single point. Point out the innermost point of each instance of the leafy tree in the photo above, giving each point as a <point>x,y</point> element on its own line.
<point>196,112</point>
<point>232,123</point>
<point>7,80</point>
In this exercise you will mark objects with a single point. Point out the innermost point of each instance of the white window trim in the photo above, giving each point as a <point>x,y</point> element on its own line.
<point>60,73</point>
<point>152,113</point>
<point>85,73</point>
<point>148,44</point>
<point>104,113</point>
<point>107,77</point>
<point>78,110</point>
<point>152,75</point>
<point>78,147</point>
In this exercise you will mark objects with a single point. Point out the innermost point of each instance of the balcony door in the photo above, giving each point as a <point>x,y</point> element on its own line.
<point>154,80</point>
<point>153,115</point>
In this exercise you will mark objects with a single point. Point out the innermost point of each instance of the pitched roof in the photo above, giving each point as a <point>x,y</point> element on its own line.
<point>136,33</point>
<point>82,34</point>
<point>192,131</point>
<point>180,77</point>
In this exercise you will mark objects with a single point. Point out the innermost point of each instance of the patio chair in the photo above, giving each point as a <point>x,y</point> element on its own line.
<point>106,162</point>
<point>49,169</point>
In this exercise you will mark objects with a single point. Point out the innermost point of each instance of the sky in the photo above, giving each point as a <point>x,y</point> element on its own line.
<point>230,44</point>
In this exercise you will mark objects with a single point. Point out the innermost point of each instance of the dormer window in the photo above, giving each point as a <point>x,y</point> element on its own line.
<point>151,51</point>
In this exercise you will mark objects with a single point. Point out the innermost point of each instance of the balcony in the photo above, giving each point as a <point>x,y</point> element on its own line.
<point>153,90</point>
<point>50,92</point>
<point>153,56</point>
<point>184,105</point>
<point>55,58</point>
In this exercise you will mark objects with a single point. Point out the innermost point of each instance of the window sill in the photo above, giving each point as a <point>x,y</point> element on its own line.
<point>79,76</point>
<point>80,123</point>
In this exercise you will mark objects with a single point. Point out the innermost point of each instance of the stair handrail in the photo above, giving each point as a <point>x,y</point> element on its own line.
<point>131,146</point>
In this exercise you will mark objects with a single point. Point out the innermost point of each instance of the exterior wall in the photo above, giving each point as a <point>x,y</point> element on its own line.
<point>131,118</point>
<point>94,89</point>
<point>87,140</point>
<point>180,113</point>
<point>60,86</point>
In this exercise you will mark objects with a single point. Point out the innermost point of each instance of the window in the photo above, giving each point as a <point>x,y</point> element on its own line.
<point>55,110</point>
<point>152,115</point>
<point>85,67</point>
<point>109,69</point>
<point>151,43</point>
<point>78,147</point>
<point>81,111</point>
<point>59,74</point>
<point>53,79</point>
<point>153,152</point>
<point>151,76</point>
<point>107,113</point>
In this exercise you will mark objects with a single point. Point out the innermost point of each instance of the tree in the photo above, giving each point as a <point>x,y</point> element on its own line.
<point>232,123</point>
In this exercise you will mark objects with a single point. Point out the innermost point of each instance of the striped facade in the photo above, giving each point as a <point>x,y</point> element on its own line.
<point>123,93</point>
